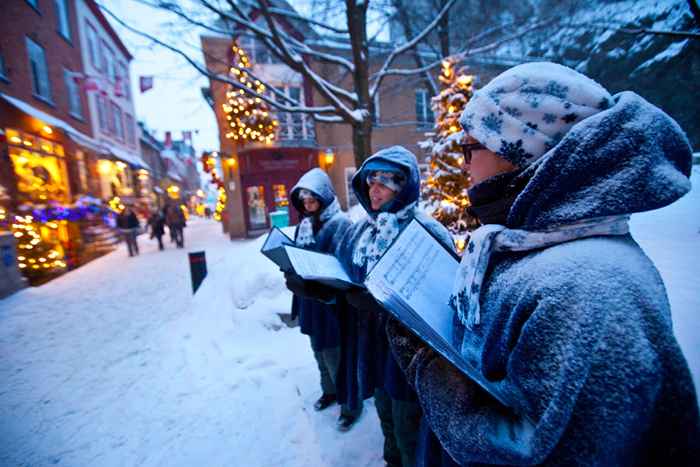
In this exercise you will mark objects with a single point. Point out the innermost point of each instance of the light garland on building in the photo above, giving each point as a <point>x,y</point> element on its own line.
<point>220,204</point>
<point>248,117</point>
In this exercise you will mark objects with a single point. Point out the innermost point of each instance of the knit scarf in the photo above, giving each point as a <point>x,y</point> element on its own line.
<point>376,239</point>
<point>493,237</point>
<point>305,235</point>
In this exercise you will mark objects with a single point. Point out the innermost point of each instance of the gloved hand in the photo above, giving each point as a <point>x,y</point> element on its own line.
<point>362,300</point>
<point>407,348</point>
<point>308,289</point>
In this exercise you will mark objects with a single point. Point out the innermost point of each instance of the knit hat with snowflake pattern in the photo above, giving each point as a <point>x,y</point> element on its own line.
<point>526,110</point>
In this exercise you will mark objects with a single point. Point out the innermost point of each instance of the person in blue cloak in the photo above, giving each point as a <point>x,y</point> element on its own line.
<point>554,301</point>
<point>322,225</point>
<point>387,185</point>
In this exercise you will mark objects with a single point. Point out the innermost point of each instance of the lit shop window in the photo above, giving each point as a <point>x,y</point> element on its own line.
<point>280,196</point>
<point>115,178</point>
<point>39,167</point>
<point>256,207</point>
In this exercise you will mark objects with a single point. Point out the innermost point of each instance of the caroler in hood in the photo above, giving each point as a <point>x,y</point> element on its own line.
<point>554,301</point>
<point>322,225</point>
<point>387,185</point>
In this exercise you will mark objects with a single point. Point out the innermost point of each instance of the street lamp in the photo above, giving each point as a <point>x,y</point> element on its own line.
<point>329,157</point>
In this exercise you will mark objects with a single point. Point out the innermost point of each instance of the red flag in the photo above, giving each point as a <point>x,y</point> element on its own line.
<point>145,83</point>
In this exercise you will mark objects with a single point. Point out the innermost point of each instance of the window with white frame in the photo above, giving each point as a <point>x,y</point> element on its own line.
<point>40,71</point>
<point>73,93</point>
<point>93,46</point>
<point>101,104</point>
<point>108,65</point>
<point>294,125</point>
<point>63,18</point>
<point>125,83</point>
<point>257,52</point>
<point>118,122</point>
<point>424,113</point>
<point>129,124</point>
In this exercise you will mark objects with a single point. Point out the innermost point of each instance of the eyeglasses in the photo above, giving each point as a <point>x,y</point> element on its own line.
<point>467,149</point>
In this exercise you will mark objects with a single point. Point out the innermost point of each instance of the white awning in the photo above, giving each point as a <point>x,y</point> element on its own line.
<point>80,138</point>
<point>50,120</point>
<point>128,157</point>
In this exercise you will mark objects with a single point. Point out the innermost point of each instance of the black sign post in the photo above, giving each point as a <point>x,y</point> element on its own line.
<point>198,269</point>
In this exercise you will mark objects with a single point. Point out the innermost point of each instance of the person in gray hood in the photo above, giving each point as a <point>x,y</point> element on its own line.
<point>322,225</point>
<point>555,303</point>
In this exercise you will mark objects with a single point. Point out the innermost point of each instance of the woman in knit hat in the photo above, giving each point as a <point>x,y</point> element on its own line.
<point>554,301</point>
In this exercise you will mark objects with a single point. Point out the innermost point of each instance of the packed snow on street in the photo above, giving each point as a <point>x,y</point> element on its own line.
<point>118,364</point>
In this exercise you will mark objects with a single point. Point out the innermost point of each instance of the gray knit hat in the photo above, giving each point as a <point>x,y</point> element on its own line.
<point>526,110</point>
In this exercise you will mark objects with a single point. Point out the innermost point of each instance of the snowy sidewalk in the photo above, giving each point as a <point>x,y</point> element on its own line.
<point>116,364</point>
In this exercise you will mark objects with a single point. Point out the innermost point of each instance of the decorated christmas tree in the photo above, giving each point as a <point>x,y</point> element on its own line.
<point>248,116</point>
<point>447,183</point>
<point>36,257</point>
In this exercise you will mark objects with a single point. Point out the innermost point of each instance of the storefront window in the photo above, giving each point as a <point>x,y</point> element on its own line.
<point>280,197</point>
<point>256,207</point>
<point>115,178</point>
<point>39,168</point>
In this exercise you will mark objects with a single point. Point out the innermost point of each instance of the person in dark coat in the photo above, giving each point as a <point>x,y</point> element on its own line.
<point>322,225</point>
<point>129,226</point>
<point>555,304</point>
<point>175,219</point>
<point>388,187</point>
<point>157,224</point>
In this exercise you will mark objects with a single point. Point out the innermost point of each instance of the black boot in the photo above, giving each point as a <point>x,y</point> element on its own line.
<point>345,422</point>
<point>324,401</point>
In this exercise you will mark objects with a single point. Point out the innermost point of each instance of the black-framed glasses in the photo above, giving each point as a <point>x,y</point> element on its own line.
<point>467,149</point>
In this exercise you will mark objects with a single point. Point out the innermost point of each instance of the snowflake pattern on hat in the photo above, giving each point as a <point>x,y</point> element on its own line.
<point>526,111</point>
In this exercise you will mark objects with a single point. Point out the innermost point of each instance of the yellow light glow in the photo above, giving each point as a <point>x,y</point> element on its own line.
<point>120,165</point>
<point>104,167</point>
<point>47,129</point>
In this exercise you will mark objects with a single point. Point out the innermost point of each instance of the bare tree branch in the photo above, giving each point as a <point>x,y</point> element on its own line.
<point>409,45</point>
<point>224,78</point>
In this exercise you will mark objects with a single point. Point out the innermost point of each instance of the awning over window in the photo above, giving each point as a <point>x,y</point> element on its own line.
<point>130,158</point>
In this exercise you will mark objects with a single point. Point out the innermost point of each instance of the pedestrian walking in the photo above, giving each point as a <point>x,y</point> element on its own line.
<point>129,226</point>
<point>554,301</point>
<point>157,224</point>
<point>175,219</point>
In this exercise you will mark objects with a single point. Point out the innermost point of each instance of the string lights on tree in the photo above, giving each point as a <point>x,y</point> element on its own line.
<point>447,183</point>
<point>248,117</point>
<point>36,257</point>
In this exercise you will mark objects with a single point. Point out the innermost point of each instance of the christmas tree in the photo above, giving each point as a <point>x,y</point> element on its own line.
<point>447,183</point>
<point>36,257</point>
<point>248,116</point>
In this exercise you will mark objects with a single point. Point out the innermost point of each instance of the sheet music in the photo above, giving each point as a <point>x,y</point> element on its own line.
<point>276,238</point>
<point>420,271</point>
<point>312,265</point>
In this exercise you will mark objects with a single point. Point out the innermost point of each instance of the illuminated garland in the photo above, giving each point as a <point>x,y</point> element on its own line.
<point>220,204</point>
<point>248,117</point>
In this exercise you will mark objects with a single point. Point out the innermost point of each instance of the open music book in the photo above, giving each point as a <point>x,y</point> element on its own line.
<point>413,281</point>
<point>310,265</point>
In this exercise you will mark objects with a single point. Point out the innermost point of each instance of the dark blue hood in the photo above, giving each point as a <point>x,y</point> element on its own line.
<point>629,158</point>
<point>317,182</point>
<point>404,160</point>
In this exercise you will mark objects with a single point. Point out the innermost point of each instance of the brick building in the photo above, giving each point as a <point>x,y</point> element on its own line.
<point>56,140</point>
